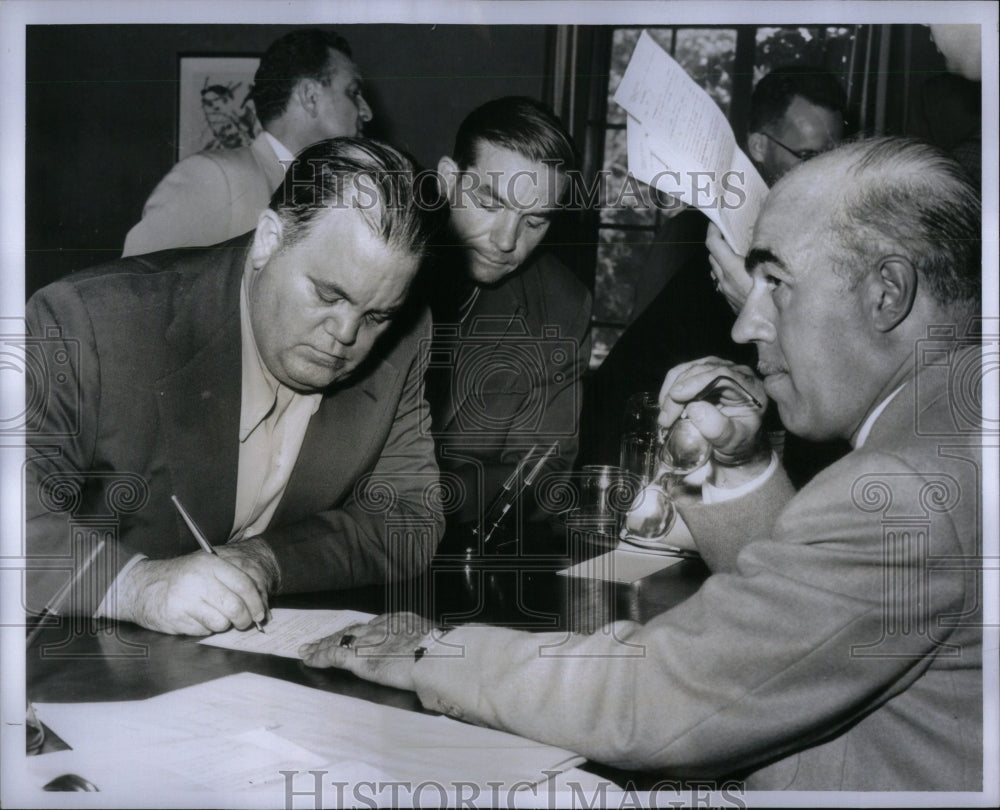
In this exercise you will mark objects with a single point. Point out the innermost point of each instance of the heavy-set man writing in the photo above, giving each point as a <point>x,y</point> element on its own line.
<point>831,649</point>
<point>262,382</point>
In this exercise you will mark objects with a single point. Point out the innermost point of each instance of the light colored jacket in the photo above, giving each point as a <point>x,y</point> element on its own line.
<point>837,645</point>
<point>208,198</point>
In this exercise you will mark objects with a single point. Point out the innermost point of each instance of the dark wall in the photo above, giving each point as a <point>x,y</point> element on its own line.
<point>101,116</point>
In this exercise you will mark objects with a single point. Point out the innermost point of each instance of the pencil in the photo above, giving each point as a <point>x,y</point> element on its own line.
<point>202,540</point>
<point>57,602</point>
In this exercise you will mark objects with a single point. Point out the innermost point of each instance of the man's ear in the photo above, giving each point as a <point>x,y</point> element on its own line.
<point>894,289</point>
<point>757,146</point>
<point>306,92</point>
<point>448,171</point>
<point>266,239</point>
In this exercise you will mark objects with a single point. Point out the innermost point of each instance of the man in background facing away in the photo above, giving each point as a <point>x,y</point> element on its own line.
<point>306,89</point>
<point>273,384</point>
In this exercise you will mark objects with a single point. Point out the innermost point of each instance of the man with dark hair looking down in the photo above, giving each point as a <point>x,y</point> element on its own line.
<point>513,317</point>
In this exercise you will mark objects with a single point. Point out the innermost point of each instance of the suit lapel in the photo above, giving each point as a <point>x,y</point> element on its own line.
<point>334,453</point>
<point>200,400</point>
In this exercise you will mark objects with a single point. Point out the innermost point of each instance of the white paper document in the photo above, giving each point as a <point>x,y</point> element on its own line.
<point>680,143</point>
<point>287,630</point>
<point>239,732</point>
<point>621,565</point>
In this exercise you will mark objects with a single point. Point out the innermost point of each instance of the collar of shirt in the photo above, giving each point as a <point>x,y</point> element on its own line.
<point>869,423</point>
<point>466,306</point>
<point>260,389</point>
<point>284,156</point>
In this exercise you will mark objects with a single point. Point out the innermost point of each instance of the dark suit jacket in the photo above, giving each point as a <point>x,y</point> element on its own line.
<point>508,375</point>
<point>147,404</point>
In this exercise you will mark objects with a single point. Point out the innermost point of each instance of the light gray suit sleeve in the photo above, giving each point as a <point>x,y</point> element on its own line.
<point>757,665</point>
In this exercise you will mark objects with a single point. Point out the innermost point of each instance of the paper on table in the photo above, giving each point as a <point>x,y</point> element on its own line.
<point>411,746</point>
<point>680,142</point>
<point>287,630</point>
<point>620,565</point>
<point>238,761</point>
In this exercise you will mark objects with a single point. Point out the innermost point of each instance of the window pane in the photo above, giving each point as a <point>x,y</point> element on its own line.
<point>620,258</point>
<point>603,337</point>
<point>823,47</point>
<point>631,204</point>
<point>622,44</point>
<point>707,54</point>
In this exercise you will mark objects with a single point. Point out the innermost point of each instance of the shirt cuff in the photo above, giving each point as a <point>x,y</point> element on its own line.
<point>711,494</point>
<point>101,611</point>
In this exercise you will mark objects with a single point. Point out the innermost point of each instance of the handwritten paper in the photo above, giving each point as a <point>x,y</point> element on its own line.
<point>287,630</point>
<point>680,142</point>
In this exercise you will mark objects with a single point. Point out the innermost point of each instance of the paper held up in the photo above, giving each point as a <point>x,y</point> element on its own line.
<point>680,143</point>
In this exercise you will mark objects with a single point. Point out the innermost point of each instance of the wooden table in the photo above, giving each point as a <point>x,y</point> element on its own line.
<point>104,661</point>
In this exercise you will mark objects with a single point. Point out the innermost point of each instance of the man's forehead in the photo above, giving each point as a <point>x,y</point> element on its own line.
<point>342,65</point>
<point>516,178</point>
<point>805,122</point>
<point>800,206</point>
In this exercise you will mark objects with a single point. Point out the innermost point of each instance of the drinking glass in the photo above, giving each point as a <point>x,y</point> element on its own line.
<point>640,436</point>
<point>682,451</point>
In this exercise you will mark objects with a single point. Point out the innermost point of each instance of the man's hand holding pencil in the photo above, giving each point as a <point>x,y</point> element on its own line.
<point>206,592</point>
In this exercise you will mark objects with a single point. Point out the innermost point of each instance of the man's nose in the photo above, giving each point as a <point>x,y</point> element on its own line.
<point>504,232</point>
<point>343,327</point>
<point>755,323</point>
<point>364,111</point>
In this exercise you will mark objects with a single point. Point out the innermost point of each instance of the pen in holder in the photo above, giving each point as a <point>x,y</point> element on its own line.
<point>511,493</point>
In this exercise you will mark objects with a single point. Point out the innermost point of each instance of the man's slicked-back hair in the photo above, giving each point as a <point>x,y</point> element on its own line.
<point>518,123</point>
<point>906,197</point>
<point>401,204</point>
<point>772,95</point>
<point>298,55</point>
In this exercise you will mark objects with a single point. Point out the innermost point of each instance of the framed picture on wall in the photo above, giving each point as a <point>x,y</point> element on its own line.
<point>214,106</point>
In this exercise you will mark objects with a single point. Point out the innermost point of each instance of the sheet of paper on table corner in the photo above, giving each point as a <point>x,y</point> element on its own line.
<point>280,725</point>
<point>675,126</point>
<point>628,563</point>
<point>287,630</point>
<point>236,762</point>
<point>624,565</point>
